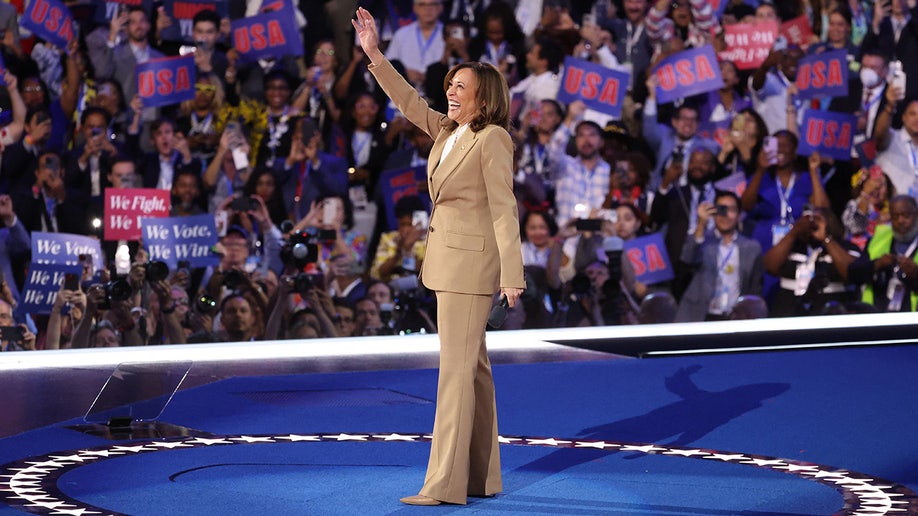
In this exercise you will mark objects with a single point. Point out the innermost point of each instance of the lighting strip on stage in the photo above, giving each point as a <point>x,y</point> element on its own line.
<point>32,484</point>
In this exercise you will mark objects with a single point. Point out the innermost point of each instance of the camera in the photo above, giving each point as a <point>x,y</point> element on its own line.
<point>232,279</point>
<point>722,210</point>
<point>244,204</point>
<point>205,305</point>
<point>11,333</point>
<point>300,250</point>
<point>156,271</point>
<point>588,224</point>
<point>116,290</point>
<point>410,301</point>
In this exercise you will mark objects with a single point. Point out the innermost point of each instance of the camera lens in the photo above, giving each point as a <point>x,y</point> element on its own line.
<point>205,304</point>
<point>157,271</point>
<point>232,279</point>
<point>118,290</point>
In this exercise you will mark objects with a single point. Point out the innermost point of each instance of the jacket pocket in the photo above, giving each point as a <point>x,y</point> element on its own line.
<point>466,242</point>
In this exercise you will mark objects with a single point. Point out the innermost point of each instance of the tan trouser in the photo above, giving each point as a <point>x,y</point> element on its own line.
<point>464,455</point>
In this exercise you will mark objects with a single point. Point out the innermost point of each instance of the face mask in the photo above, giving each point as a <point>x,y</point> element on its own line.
<point>869,78</point>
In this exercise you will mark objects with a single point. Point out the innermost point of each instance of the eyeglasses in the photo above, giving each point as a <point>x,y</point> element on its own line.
<point>32,89</point>
<point>326,52</point>
<point>206,88</point>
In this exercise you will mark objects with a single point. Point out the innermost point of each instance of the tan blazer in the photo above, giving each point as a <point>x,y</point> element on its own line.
<point>473,244</point>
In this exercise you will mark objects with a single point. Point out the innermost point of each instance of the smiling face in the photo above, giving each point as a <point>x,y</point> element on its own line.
<point>365,111</point>
<point>462,96</point>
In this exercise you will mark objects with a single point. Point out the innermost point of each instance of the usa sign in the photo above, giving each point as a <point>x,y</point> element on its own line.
<point>687,73</point>
<point>600,88</point>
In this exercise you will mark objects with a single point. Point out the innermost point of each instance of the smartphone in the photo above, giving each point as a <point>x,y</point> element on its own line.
<point>71,281</point>
<point>52,162</point>
<point>329,211</point>
<point>11,333</point>
<point>770,148</point>
<point>419,219</point>
<point>457,33</point>
<point>243,204</point>
<point>722,210</point>
<point>185,50</point>
<point>588,224</point>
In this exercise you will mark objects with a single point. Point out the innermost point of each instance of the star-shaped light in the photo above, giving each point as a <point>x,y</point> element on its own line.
<point>726,457</point>
<point>133,449</point>
<point>208,442</point>
<point>647,448</point>
<point>169,444</point>
<point>595,444</point>
<point>296,438</point>
<point>347,437</point>
<point>250,439</point>
<point>764,462</point>
<point>551,441</point>
<point>684,453</point>
<point>397,437</point>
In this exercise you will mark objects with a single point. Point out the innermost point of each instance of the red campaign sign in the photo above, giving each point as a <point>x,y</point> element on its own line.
<point>124,207</point>
<point>797,31</point>
<point>748,44</point>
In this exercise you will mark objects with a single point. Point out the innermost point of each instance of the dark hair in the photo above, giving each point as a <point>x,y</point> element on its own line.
<point>279,74</point>
<point>275,204</point>
<point>549,221</point>
<point>206,15</point>
<point>559,108</point>
<point>159,122</point>
<point>719,194</point>
<point>588,123</point>
<point>641,166</point>
<point>94,111</point>
<point>407,205</point>
<point>687,106</point>
<point>550,51</point>
<point>493,95</point>
<point>122,158</point>
<point>503,12</point>
<point>348,208</point>
<point>30,114</point>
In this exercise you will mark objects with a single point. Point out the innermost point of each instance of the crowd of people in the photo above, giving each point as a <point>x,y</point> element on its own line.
<point>289,151</point>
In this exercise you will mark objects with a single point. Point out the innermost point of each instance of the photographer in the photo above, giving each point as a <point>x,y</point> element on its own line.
<point>238,320</point>
<point>401,252</point>
<point>60,329</point>
<point>14,337</point>
<point>812,261</point>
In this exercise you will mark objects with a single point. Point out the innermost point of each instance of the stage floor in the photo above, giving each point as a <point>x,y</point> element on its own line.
<point>342,427</point>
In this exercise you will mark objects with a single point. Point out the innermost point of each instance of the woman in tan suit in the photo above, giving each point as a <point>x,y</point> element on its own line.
<point>473,249</point>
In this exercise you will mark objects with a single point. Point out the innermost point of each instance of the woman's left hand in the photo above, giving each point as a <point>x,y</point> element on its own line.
<point>512,295</point>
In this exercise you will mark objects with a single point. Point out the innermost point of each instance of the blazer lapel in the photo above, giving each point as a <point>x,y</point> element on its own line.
<point>447,167</point>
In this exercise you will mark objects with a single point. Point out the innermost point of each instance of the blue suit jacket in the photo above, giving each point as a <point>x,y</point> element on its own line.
<point>329,179</point>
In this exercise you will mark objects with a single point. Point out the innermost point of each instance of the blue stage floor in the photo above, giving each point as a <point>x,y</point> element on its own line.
<point>817,431</point>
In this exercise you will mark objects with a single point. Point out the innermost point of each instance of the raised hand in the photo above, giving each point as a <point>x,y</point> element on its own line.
<point>367,33</point>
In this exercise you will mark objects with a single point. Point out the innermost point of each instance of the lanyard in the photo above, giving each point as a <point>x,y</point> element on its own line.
<point>199,127</point>
<point>784,195</point>
<point>723,263</point>
<point>631,41</point>
<point>424,46</point>
<point>913,155</point>
<point>495,53</point>
<point>359,142</point>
